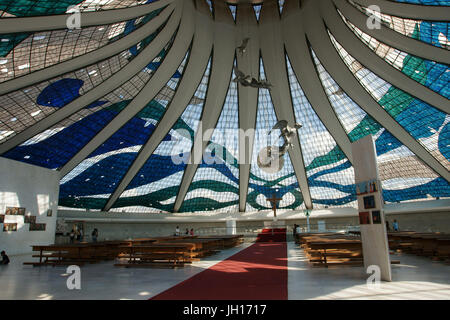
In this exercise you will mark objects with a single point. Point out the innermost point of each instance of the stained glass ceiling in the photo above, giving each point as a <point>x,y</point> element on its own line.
<point>119,105</point>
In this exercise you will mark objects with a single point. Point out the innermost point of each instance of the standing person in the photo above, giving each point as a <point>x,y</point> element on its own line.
<point>388,228</point>
<point>294,231</point>
<point>72,236</point>
<point>395,225</point>
<point>298,230</point>
<point>78,235</point>
<point>94,235</point>
<point>5,258</point>
<point>191,232</point>
<point>187,232</point>
<point>177,231</point>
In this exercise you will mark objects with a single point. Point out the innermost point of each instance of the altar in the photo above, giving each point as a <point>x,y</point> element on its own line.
<point>274,224</point>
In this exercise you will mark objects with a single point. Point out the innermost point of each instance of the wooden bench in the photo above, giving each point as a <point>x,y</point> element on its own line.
<point>154,251</point>
<point>328,249</point>
<point>425,244</point>
<point>155,255</point>
<point>76,254</point>
<point>332,249</point>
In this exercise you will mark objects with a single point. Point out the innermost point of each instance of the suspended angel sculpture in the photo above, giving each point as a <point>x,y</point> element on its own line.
<point>248,81</point>
<point>243,47</point>
<point>270,159</point>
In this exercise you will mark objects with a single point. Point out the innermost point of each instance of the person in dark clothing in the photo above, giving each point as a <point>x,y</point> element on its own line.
<point>72,236</point>
<point>395,225</point>
<point>5,258</point>
<point>78,235</point>
<point>94,235</point>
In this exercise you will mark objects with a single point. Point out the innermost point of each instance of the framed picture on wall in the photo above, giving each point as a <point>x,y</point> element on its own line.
<point>369,202</point>
<point>11,211</point>
<point>9,227</point>
<point>361,188</point>
<point>376,217</point>
<point>374,186</point>
<point>37,227</point>
<point>14,211</point>
<point>364,218</point>
<point>49,212</point>
<point>29,219</point>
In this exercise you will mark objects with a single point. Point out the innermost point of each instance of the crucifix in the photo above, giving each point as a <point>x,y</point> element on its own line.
<point>274,201</point>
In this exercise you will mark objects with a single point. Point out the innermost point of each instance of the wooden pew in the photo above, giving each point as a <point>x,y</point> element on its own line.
<point>155,255</point>
<point>442,251</point>
<point>227,241</point>
<point>328,249</point>
<point>430,244</point>
<point>201,247</point>
<point>194,247</point>
<point>425,244</point>
<point>76,254</point>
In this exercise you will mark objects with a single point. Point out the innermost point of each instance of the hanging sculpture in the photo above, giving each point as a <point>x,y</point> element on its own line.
<point>270,159</point>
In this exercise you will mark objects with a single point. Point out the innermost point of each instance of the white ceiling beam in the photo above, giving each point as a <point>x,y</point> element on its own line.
<point>334,65</point>
<point>248,63</point>
<point>303,66</point>
<point>377,65</point>
<point>409,11</point>
<point>87,19</point>
<point>116,80</point>
<point>393,38</point>
<point>89,58</point>
<point>159,79</point>
<point>273,54</point>
<point>194,71</point>
<point>221,69</point>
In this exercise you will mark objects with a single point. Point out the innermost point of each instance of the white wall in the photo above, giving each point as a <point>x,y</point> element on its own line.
<point>422,216</point>
<point>34,188</point>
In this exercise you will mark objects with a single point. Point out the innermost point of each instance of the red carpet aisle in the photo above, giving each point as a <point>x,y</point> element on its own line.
<point>256,273</point>
<point>267,235</point>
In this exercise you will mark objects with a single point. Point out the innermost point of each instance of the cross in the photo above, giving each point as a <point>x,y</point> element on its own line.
<point>274,200</point>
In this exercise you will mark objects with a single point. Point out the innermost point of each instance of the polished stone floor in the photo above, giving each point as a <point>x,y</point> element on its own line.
<point>415,278</point>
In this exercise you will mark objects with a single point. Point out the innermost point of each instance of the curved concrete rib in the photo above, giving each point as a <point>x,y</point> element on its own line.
<point>273,54</point>
<point>393,38</point>
<point>116,80</point>
<point>87,19</point>
<point>333,63</point>
<point>303,66</point>
<point>221,69</point>
<point>372,61</point>
<point>198,62</point>
<point>89,58</point>
<point>410,11</point>
<point>248,63</point>
<point>162,75</point>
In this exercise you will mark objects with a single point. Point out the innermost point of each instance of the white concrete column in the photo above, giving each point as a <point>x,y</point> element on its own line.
<point>370,204</point>
<point>231,227</point>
